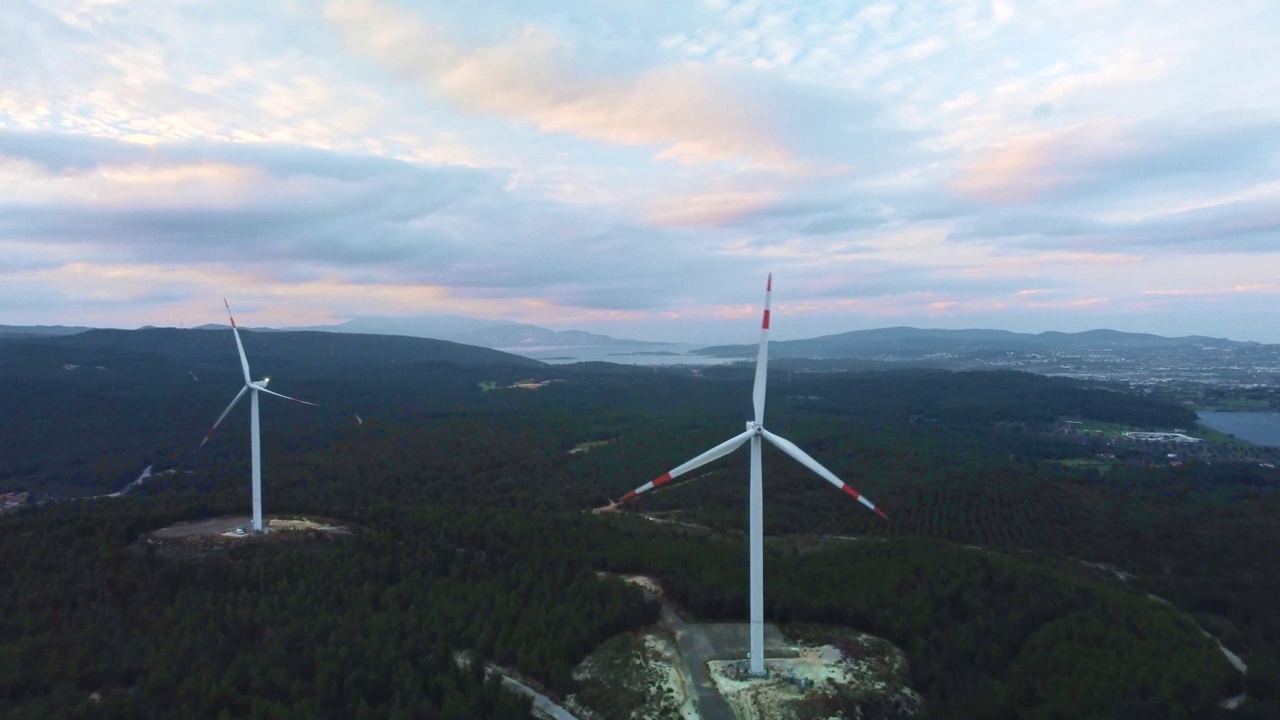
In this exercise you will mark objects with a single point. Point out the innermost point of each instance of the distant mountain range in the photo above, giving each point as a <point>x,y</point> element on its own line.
<point>497,334</point>
<point>501,334</point>
<point>896,343</point>
<point>297,346</point>
<point>15,331</point>
<point>907,343</point>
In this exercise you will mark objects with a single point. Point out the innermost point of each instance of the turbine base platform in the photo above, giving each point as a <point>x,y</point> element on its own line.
<point>741,669</point>
<point>239,529</point>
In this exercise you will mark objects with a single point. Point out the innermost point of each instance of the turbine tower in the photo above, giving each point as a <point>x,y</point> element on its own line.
<point>255,437</point>
<point>756,434</point>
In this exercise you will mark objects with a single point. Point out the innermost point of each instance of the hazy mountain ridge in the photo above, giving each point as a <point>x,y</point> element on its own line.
<point>20,331</point>
<point>916,343</point>
<point>305,348</point>
<point>896,343</point>
<point>498,334</point>
<point>462,329</point>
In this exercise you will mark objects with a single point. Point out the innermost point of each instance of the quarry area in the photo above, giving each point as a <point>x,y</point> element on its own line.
<point>697,671</point>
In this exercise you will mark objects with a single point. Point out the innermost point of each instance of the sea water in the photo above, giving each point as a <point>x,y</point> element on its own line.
<point>1260,428</point>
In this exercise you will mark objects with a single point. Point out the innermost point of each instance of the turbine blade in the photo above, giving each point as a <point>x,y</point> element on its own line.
<point>244,361</point>
<point>803,458</point>
<point>286,397</point>
<point>224,414</point>
<point>762,359</point>
<point>714,453</point>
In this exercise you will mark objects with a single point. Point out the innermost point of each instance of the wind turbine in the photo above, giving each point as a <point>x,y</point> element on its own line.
<point>755,433</point>
<point>255,438</point>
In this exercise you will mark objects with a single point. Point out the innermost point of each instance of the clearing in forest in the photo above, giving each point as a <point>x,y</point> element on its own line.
<point>584,447</point>
<point>692,671</point>
<point>855,675</point>
<point>236,528</point>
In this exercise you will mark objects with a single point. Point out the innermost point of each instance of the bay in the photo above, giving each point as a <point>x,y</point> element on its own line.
<point>1260,428</point>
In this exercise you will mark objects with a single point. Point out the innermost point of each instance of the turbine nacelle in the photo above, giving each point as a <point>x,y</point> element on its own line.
<point>755,427</point>
<point>261,383</point>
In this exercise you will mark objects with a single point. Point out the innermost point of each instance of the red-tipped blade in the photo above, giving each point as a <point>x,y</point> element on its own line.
<point>224,414</point>
<point>762,358</point>
<point>286,397</point>
<point>714,453</point>
<point>803,458</point>
<point>657,482</point>
<point>244,361</point>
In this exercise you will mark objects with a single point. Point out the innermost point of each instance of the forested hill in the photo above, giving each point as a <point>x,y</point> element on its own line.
<point>312,351</point>
<point>8,332</point>
<point>87,413</point>
<point>470,494</point>
<point>84,414</point>
<point>908,342</point>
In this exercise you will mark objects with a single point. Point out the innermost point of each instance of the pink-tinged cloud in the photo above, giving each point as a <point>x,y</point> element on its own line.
<point>1182,293</point>
<point>691,113</point>
<point>1067,304</point>
<point>709,208</point>
<point>184,295</point>
<point>1033,264</point>
<point>1256,288</point>
<point>147,185</point>
<point>1259,288</point>
<point>1029,167</point>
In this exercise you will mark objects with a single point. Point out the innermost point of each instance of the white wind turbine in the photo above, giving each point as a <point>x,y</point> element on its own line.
<point>255,440</point>
<point>755,431</point>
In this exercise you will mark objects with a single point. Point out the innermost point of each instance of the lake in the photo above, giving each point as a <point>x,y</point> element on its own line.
<point>1261,428</point>
<point>674,354</point>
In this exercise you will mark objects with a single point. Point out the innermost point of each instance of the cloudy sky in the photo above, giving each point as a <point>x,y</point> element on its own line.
<point>636,168</point>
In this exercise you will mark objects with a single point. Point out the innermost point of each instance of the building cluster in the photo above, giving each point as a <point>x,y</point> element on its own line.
<point>1172,437</point>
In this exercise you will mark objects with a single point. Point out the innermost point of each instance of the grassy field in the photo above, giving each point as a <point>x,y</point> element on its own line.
<point>589,446</point>
<point>1235,405</point>
<point>1093,426</point>
<point>1102,466</point>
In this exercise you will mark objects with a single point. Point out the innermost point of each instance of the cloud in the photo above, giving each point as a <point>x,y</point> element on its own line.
<point>1249,226</point>
<point>63,152</point>
<point>310,214</point>
<point>1101,155</point>
<point>565,161</point>
<point>816,215</point>
<point>690,113</point>
<point>709,208</point>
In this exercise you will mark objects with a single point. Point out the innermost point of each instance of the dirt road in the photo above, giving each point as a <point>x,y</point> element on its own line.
<point>703,642</point>
<point>543,707</point>
<point>696,650</point>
